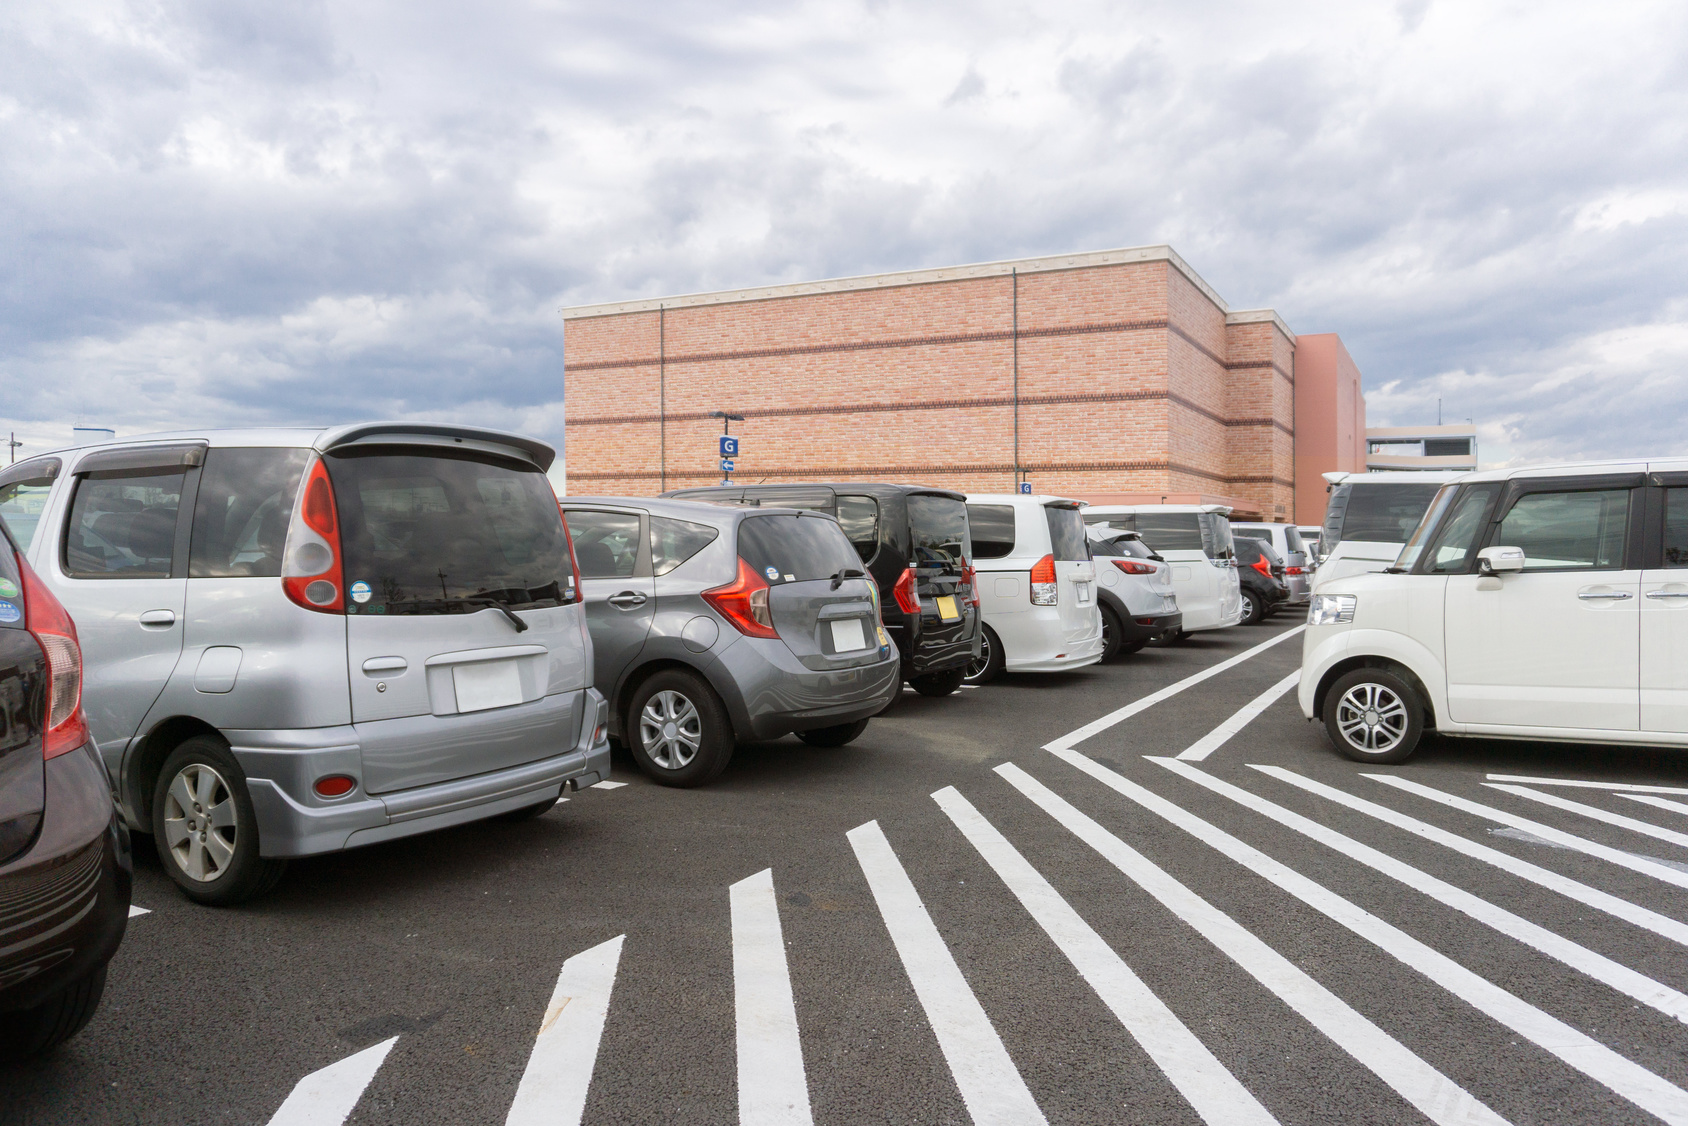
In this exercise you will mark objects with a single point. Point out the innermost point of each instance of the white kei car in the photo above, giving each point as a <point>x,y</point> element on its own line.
<point>1196,540</point>
<point>1547,603</point>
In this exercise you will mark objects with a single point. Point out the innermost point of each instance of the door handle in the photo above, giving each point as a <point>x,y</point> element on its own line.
<point>1667,594</point>
<point>626,600</point>
<point>1604,595</point>
<point>159,619</point>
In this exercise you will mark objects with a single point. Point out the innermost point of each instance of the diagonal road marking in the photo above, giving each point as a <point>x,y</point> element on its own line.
<point>1657,803</point>
<point>559,1069</point>
<point>1632,787</point>
<point>326,1097</point>
<point>772,1088</point>
<point>1246,715</point>
<point>1594,813</point>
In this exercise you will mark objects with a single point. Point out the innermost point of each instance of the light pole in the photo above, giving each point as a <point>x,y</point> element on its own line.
<point>727,420</point>
<point>12,445</point>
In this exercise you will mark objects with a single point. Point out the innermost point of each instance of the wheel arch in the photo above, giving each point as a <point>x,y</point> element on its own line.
<point>140,772</point>
<point>635,678</point>
<point>1373,661</point>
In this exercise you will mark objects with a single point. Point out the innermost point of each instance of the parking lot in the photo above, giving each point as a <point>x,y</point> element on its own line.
<point>1009,902</point>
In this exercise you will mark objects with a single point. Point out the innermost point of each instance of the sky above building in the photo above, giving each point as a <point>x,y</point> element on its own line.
<point>229,212</point>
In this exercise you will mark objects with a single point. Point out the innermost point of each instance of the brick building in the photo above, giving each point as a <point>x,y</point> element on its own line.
<point>1111,376</point>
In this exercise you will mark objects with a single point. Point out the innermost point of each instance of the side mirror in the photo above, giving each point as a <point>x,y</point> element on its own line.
<point>1500,560</point>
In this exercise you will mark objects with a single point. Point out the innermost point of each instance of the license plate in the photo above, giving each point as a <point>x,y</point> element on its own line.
<point>947,609</point>
<point>847,635</point>
<point>1083,593</point>
<point>486,684</point>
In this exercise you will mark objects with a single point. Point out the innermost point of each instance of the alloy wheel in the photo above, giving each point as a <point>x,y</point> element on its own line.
<point>1372,718</point>
<point>977,667</point>
<point>201,826</point>
<point>670,729</point>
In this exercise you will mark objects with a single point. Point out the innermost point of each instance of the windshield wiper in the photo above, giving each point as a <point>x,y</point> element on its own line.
<point>846,573</point>
<point>472,600</point>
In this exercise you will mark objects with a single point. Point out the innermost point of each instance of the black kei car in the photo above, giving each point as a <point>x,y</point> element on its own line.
<point>916,547</point>
<point>1260,569</point>
<point>64,855</point>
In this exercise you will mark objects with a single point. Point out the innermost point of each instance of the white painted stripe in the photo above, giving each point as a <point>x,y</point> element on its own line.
<point>326,1097</point>
<point>133,910</point>
<point>1593,897</point>
<point>1220,735</point>
<point>1074,738</point>
<point>1645,828</point>
<point>1630,1080</point>
<point>559,1069</point>
<point>1439,1098</point>
<point>772,1088</point>
<point>606,784</point>
<point>1633,787</point>
<point>1637,986</point>
<point>989,1083</point>
<point>1199,1076</point>
<point>1657,803</point>
<point>1645,865</point>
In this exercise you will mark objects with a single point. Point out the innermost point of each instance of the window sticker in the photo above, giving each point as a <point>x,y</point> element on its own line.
<point>9,612</point>
<point>8,588</point>
<point>773,574</point>
<point>361,591</point>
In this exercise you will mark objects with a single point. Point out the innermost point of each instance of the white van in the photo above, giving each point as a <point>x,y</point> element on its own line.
<point>1196,540</point>
<point>1036,584</point>
<point>1368,518</point>
<point>1547,603</point>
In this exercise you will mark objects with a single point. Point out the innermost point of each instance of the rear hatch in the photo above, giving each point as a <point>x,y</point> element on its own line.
<point>819,597</point>
<point>445,552</point>
<point>23,714</point>
<point>1074,570</point>
<point>941,550</point>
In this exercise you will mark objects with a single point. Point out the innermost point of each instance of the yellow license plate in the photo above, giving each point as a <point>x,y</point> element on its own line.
<point>947,609</point>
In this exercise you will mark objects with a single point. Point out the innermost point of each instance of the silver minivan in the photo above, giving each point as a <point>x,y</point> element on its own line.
<point>301,641</point>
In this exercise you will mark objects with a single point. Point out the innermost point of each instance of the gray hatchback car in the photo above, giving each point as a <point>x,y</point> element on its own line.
<point>301,641</point>
<point>713,624</point>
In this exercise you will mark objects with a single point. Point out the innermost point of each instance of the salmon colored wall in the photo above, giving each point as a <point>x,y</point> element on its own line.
<point>1330,420</point>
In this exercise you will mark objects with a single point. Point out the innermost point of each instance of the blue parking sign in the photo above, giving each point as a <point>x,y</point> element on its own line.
<point>1025,486</point>
<point>726,465</point>
<point>729,446</point>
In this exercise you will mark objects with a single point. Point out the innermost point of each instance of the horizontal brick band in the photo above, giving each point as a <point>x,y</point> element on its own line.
<point>823,472</point>
<point>926,405</point>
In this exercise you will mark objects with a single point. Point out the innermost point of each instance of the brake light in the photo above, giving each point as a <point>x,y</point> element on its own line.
<point>908,598</point>
<point>1294,571</point>
<point>575,593</point>
<point>971,578</point>
<point>311,571</point>
<point>744,603</point>
<point>45,618</point>
<point>1132,567</point>
<point>1045,590</point>
<point>1262,566</point>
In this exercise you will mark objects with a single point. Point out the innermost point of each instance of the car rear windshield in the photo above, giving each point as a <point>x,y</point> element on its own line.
<point>426,531</point>
<point>938,527</point>
<point>1066,533</point>
<point>1376,512</point>
<point>1170,531</point>
<point>795,549</point>
<point>1121,543</point>
<point>11,613</point>
<point>992,528</point>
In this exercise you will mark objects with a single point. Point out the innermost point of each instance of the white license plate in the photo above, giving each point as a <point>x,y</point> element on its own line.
<point>1083,593</point>
<point>486,684</point>
<point>847,635</point>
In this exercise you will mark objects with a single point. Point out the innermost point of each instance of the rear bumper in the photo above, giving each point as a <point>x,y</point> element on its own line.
<point>769,692</point>
<point>931,646</point>
<point>64,903</point>
<point>1147,627</point>
<point>294,821</point>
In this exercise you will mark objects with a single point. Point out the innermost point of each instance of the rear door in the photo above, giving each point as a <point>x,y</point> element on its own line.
<point>941,547</point>
<point>612,549</point>
<point>826,619</point>
<point>1076,572</point>
<point>1202,587</point>
<point>1664,612</point>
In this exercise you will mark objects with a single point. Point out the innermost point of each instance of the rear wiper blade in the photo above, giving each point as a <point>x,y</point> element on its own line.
<point>495,604</point>
<point>846,573</point>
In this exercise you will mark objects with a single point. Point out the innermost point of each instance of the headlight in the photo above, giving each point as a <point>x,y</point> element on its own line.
<point>1330,609</point>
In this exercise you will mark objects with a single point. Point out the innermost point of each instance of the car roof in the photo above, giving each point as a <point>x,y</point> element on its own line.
<point>1125,509</point>
<point>1401,477</point>
<point>1021,498</point>
<point>329,437</point>
<point>866,488</point>
<point>1582,469</point>
<point>687,509</point>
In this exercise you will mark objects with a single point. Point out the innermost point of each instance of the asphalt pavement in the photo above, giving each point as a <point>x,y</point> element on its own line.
<point>1013,904</point>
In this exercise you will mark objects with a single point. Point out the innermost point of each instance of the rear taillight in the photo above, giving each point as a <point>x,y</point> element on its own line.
<point>1262,566</point>
<point>574,592</point>
<point>1132,567</point>
<point>744,603</point>
<point>1294,571</point>
<point>971,578</point>
<point>1045,590</point>
<point>45,618</point>
<point>907,596</point>
<point>311,570</point>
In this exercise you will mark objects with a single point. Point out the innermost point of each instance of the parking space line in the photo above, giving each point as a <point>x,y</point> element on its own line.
<point>1246,715</point>
<point>1594,813</point>
<point>1435,1095</point>
<point>1631,983</point>
<point>990,1085</point>
<point>1643,864</point>
<point>565,1052</point>
<point>1634,787</point>
<point>772,1087</point>
<point>1205,1083</point>
<point>1628,1079</point>
<point>326,1097</point>
<point>1593,897</point>
<point>1120,715</point>
<point>606,784</point>
<point>133,910</point>
<point>1657,803</point>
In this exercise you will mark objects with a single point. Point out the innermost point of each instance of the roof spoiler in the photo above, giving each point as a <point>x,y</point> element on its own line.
<point>477,438</point>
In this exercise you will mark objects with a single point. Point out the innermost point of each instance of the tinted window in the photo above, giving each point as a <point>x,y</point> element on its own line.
<point>11,616</point>
<point>123,524</point>
<point>859,517</point>
<point>426,530</point>
<point>1123,543</point>
<point>1101,520</point>
<point>1216,535</point>
<point>1248,548</point>
<point>606,544</point>
<point>673,542</point>
<point>23,496</point>
<point>1170,531</point>
<point>240,517</point>
<point>1379,513</point>
<point>815,500</point>
<point>992,527</point>
<point>787,549</point>
<point>1676,527</point>
<point>1575,531</point>
<point>1066,534</point>
<point>1460,534</point>
<point>938,527</point>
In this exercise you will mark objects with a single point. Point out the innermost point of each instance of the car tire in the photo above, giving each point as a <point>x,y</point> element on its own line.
<point>1253,609</point>
<point>1374,715</point>
<point>1112,634</point>
<point>834,736</point>
<point>30,1032</point>
<point>1126,648</point>
<point>940,683</point>
<point>527,812</point>
<point>981,669</point>
<point>700,730</point>
<point>212,856</point>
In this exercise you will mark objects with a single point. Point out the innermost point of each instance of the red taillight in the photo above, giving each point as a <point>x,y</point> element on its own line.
<point>1262,566</point>
<point>575,594</point>
<point>335,786</point>
<point>908,598</point>
<point>1132,567</point>
<point>971,578</point>
<point>1294,571</point>
<point>311,571</point>
<point>45,618</point>
<point>744,602</point>
<point>1045,590</point>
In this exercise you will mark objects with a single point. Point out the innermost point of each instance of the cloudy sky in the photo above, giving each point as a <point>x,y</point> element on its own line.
<point>243,211</point>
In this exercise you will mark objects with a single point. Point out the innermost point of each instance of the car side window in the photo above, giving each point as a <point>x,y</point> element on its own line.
<point>123,525</point>
<point>993,530</point>
<point>241,514</point>
<point>1457,540</point>
<point>673,542</point>
<point>859,517</point>
<point>1568,531</point>
<point>606,544</point>
<point>1676,528</point>
<point>22,502</point>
